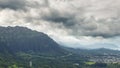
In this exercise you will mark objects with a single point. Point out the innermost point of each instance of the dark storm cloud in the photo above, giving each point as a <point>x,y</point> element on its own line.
<point>81,26</point>
<point>12,4</point>
<point>38,3</point>
<point>56,17</point>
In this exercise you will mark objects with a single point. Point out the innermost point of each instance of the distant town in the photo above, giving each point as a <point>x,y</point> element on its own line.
<point>106,58</point>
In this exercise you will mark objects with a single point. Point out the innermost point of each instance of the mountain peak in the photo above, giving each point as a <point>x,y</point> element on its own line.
<point>22,39</point>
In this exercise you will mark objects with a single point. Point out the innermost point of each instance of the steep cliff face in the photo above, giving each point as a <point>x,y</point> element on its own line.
<point>21,39</point>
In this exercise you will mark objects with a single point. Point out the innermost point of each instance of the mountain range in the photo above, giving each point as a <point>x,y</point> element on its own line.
<point>19,45</point>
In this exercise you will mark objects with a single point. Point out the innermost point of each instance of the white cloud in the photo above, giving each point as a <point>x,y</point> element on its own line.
<point>74,23</point>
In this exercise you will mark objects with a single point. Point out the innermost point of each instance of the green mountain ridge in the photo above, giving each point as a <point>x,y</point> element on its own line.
<point>18,39</point>
<point>19,46</point>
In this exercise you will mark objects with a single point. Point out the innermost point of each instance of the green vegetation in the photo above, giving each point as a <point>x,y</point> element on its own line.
<point>90,63</point>
<point>23,48</point>
<point>40,62</point>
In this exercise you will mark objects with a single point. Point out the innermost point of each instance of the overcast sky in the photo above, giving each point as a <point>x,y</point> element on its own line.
<point>73,23</point>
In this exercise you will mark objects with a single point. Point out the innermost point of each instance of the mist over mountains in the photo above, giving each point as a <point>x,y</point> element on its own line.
<point>20,45</point>
<point>59,33</point>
